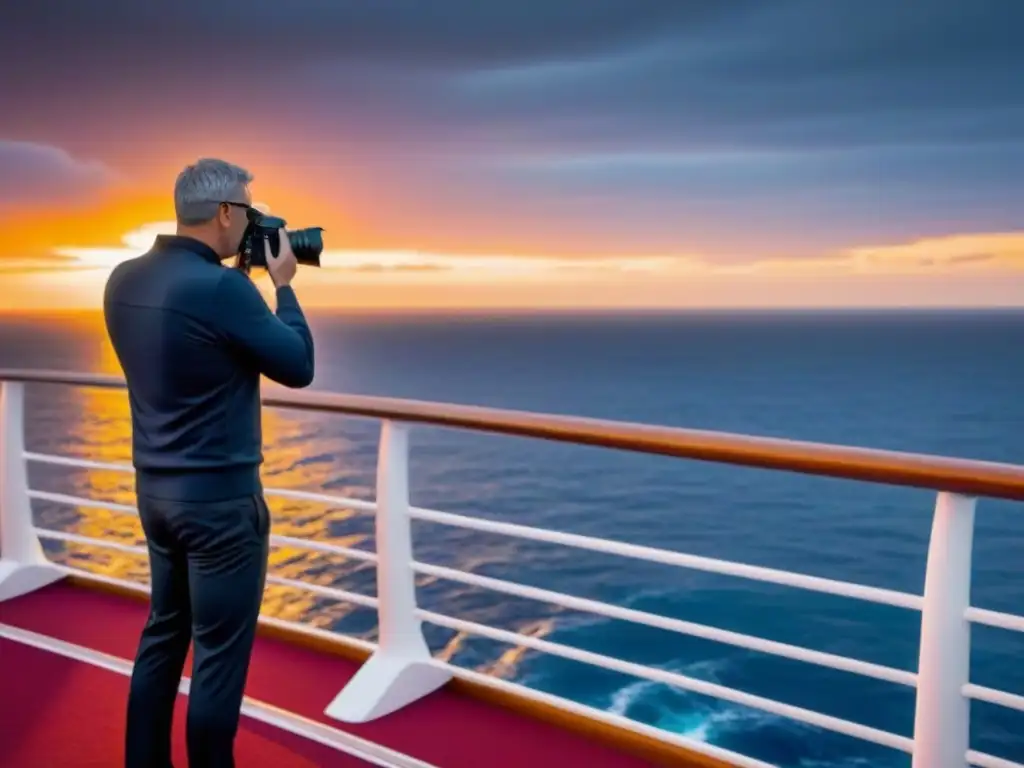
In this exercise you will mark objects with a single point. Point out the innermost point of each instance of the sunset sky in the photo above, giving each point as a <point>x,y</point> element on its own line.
<point>555,153</point>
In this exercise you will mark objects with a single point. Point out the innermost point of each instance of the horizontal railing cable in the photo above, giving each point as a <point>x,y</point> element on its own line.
<point>995,619</point>
<point>653,674</point>
<point>324,591</point>
<point>673,625</point>
<point>283,493</point>
<point>275,539</point>
<point>667,557</point>
<point>993,696</point>
<point>982,760</point>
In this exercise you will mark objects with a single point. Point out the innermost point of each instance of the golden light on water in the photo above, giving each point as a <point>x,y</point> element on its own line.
<point>101,431</point>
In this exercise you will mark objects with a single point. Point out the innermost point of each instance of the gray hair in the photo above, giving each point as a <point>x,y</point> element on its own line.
<point>204,185</point>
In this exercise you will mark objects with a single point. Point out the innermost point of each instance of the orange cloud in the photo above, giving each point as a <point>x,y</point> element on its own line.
<point>999,250</point>
<point>370,262</point>
<point>984,251</point>
<point>989,270</point>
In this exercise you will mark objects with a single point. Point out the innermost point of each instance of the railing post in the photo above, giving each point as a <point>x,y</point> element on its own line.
<point>942,717</point>
<point>23,565</point>
<point>400,670</point>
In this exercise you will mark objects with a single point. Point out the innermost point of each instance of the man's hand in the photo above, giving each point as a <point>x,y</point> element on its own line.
<point>282,268</point>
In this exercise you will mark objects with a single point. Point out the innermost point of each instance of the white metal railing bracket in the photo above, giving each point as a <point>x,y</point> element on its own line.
<point>24,567</point>
<point>401,669</point>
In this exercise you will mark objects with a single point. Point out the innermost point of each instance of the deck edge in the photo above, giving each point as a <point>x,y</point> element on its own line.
<point>639,745</point>
<point>258,710</point>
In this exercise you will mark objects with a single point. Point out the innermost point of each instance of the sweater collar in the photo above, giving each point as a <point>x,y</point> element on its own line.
<point>182,242</point>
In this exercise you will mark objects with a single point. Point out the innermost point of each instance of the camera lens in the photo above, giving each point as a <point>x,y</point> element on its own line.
<point>307,245</point>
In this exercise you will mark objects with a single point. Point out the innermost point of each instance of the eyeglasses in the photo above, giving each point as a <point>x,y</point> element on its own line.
<point>250,213</point>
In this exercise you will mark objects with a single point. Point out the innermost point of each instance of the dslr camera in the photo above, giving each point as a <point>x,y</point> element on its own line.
<point>307,244</point>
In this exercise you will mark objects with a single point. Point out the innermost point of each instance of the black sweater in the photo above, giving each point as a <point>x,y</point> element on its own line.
<point>193,337</point>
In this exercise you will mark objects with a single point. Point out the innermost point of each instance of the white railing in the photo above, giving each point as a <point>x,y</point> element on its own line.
<point>401,668</point>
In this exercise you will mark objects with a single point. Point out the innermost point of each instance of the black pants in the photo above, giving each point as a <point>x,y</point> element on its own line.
<point>208,563</point>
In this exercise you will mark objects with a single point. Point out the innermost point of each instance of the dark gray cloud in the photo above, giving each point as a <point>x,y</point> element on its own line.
<point>402,33</point>
<point>36,173</point>
<point>654,69</point>
<point>649,121</point>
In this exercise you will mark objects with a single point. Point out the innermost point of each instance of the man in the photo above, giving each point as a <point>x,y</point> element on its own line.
<point>193,337</point>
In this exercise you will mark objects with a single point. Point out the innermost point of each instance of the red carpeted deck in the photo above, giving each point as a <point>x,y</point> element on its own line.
<point>61,712</point>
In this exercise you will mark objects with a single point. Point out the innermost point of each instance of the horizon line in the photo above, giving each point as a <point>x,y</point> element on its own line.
<point>611,310</point>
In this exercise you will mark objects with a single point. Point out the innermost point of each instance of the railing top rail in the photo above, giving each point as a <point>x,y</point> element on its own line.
<point>965,476</point>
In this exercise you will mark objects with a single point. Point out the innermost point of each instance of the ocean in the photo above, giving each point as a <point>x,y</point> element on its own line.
<point>947,383</point>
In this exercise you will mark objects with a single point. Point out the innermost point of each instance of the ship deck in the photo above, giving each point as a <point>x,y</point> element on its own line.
<point>66,650</point>
<point>65,658</point>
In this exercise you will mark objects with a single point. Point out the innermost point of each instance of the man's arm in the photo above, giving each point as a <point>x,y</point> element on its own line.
<point>281,346</point>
